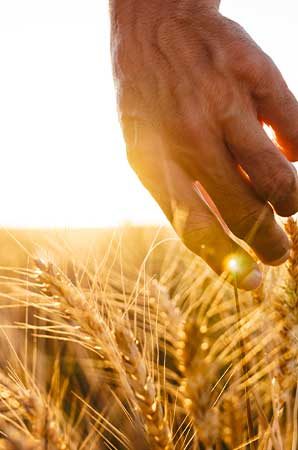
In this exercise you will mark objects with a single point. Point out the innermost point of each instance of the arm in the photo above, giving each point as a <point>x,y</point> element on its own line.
<point>193,91</point>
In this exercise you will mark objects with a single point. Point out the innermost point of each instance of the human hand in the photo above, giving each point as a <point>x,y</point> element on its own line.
<point>193,91</point>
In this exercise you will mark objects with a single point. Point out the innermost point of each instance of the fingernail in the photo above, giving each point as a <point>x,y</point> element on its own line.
<point>252,280</point>
<point>282,260</point>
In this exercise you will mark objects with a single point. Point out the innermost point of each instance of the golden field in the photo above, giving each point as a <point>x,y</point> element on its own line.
<point>122,339</point>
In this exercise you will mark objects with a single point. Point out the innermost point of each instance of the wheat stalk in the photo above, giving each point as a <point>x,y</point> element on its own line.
<point>110,344</point>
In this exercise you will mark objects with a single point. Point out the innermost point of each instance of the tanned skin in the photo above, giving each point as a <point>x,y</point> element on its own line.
<point>193,93</point>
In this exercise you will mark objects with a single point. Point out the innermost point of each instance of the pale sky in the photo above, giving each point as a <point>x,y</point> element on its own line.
<point>62,155</point>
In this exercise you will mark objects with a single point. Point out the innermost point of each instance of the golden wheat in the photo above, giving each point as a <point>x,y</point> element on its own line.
<point>153,351</point>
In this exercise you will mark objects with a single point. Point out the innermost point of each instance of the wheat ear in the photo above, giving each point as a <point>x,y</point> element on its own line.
<point>286,308</point>
<point>111,343</point>
<point>292,230</point>
<point>16,402</point>
<point>147,400</point>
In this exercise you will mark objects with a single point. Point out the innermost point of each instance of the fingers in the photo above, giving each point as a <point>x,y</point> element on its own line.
<point>272,176</point>
<point>189,214</point>
<point>245,214</point>
<point>278,107</point>
<point>201,232</point>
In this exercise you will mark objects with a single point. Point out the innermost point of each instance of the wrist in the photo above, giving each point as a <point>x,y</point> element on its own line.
<point>128,11</point>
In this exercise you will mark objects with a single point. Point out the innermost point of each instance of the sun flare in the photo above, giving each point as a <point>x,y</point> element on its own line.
<point>270,132</point>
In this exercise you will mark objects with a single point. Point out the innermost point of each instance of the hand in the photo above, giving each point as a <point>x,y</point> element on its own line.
<point>193,92</point>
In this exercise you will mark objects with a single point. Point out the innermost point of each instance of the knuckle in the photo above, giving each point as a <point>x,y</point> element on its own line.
<point>252,65</point>
<point>291,106</point>
<point>274,180</point>
<point>269,81</point>
<point>282,185</point>
<point>287,182</point>
<point>247,60</point>
<point>285,195</point>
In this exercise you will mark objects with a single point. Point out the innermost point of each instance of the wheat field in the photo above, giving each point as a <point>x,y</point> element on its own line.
<point>122,339</point>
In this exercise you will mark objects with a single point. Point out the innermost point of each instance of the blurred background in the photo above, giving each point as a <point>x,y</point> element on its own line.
<point>62,155</point>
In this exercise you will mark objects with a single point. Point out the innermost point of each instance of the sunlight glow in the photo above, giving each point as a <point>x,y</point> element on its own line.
<point>232,264</point>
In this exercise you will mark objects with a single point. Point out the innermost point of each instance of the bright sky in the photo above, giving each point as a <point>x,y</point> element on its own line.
<point>62,155</point>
